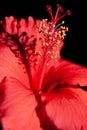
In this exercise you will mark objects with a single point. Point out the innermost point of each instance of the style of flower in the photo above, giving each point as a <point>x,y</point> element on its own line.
<point>39,90</point>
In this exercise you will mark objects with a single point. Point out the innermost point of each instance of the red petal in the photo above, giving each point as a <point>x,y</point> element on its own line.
<point>8,63</point>
<point>73,74</point>
<point>65,72</point>
<point>17,106</point>
<point>9,66</point>
<point>11,25</point>
<point>66,109</point>
<point>29,26</point>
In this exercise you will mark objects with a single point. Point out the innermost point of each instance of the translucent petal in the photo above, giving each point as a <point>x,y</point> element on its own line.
<point>65,72</point>
<point>17,106</point>
<point>11,25</point>
<point>9,66</point>
<point>66,109</point>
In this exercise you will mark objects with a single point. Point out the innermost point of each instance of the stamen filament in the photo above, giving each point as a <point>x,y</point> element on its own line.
<point>59,18</point>
<point>49,9</point>
<point>56,27</point>
<point>57,13</point>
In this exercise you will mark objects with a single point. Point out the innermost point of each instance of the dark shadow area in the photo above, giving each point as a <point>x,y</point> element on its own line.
<point>0,126</point>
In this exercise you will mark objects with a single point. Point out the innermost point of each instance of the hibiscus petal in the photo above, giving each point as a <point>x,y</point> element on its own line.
<point>66,109</point>
<point>11,25</point>
<point>17,106</point>
<point>23,26</point>
<point>30,26</point>
<point>9,66</point>
<point>65,72</point>
<point>9,63</point>
<point>72,73</point>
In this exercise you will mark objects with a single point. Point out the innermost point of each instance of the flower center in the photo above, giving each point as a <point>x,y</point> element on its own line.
<point>25,47</point>
<point>52,34</point>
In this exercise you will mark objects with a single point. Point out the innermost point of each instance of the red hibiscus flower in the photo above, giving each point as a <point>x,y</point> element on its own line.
<point>39,90</point>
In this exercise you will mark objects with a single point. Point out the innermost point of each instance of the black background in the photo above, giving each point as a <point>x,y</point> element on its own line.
<point>75,42</point>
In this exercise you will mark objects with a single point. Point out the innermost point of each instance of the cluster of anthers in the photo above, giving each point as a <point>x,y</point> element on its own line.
<point>52,33</point>
<point>52,29</point>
